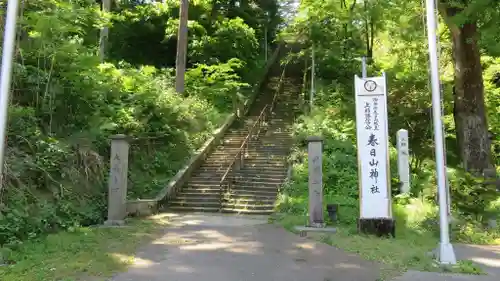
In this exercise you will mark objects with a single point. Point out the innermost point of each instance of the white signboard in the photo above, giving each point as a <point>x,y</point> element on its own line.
<point>403,160</point>
<point>373,147</point>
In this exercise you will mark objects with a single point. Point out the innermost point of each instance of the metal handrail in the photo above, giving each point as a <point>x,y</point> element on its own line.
<point>278,91</point>
<point>239,158</point>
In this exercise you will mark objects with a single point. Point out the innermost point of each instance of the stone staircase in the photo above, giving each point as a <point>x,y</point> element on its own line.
<point>255,186</point>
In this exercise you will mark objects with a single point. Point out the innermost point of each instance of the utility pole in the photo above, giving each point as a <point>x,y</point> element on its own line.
<point>446,252</point>
<point>182,38</point>
<point>9,43</point>
<point>313,70</point>
<point>103,36</point>
<point>265,42</point>
<point>363,67</point>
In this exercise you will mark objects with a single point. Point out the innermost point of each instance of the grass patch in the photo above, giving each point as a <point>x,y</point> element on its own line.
<point>89,252</point>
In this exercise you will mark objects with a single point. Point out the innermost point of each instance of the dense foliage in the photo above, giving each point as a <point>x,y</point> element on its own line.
<point>392,35</point>
<point>66,103</point>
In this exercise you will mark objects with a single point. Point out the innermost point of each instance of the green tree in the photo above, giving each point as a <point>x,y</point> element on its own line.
<point>467,20</point>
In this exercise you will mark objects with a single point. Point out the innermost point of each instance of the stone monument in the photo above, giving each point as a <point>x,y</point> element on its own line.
<point>403,160</point>
<point>117,183</point>
<point>316,213</point>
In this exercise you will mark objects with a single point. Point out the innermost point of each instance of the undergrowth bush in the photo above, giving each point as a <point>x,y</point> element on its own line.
<point>66,104</point>
<point>53,175</point>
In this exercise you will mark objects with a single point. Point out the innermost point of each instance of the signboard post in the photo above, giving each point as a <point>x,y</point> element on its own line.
<point>373,157</point>
<point>403,160</point>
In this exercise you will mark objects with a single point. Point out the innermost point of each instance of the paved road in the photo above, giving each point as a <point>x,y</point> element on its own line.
<point>487,257</point>
<point>232,248</point>
<point>433,276</point>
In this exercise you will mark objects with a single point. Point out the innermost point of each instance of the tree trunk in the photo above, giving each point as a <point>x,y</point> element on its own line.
<point>347,34</point>
<point>369,26</point>
<point>469,109</point>
<point>104,34</point>
<point>213,13</point>
<point>182,38</point>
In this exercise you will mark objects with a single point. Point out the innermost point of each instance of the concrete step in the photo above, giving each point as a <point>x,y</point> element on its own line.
<point>211,169</point>
<point>247,212</point>
<point>253,158</point>
<point>255,151</point>
<point>238,180</point>
<point>258,166</point>
<point>203,183</point>
<point>265,169</point>
<point>248,162</point>
<point>255,190</point>
<point>197,193</point>
<point>242,193</point>
<point>196,204</point>
<point>215,166</point>
<point>275,156</point>
<point>242,175</point>
<point>183,200</point>
<point>253,168</point>
<point>239,193</point>
<point>242,188</point>
<point>243,207</point>
<point>270,161</point>
<point>202,189</point>
<point>222,210</point>
<point>266,156</point>
<point>263,179</point>
<point>243,133</point>
<point>194,209</point>
<point>228,137</point>
<point>249,202</point>
<point>261,175</point>
<point>263,154</point>
<point>267,203</point>
<point>198,196</point>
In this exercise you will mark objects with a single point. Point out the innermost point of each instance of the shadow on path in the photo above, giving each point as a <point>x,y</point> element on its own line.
<point>214,247</point>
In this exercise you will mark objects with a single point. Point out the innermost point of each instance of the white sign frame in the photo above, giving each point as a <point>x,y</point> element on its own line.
<point>373,147</point>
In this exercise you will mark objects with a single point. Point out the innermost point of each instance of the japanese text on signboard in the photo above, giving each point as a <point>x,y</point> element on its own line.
<point>371,110</point>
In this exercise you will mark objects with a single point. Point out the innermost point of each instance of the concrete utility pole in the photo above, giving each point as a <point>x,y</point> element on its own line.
<point>103,36</point>
<point>182,38</point>
<point>446,252</point>
<point>9,43</point>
